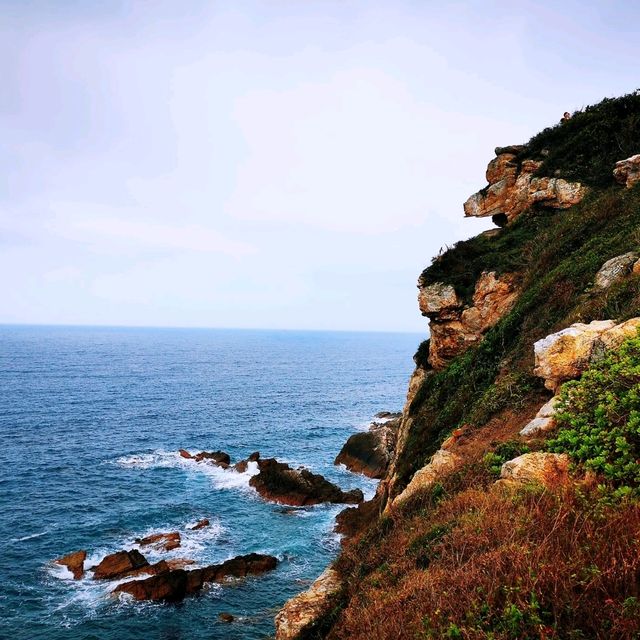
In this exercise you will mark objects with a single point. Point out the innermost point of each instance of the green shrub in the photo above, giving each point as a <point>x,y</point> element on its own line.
<point>599,417</point>
<point>504,451</point>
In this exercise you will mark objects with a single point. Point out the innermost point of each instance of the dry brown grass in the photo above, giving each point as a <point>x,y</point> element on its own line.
<point>489,564</point>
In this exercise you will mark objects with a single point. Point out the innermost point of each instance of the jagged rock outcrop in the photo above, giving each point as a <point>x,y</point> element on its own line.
<point>544,420</point>
<point>74,562</point>
<point>278,482</point>
<point>442,463</point>
<point>174,585</point>
<point>565,355</point>
<point>453,328</point>
<point>627,172</point>
<point>616,269</point>
<point>162,541</point>
<point>302,611</point>
<point>120,564</point>
<point>513,187</point>
<point>549,469</point>
<point>369,452</point>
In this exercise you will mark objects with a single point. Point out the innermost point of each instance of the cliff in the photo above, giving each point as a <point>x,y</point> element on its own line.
<point>510,508</point>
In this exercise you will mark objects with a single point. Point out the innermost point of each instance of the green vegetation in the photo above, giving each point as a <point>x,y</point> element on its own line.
<point>587,146</point>
<point>504,451</point>
<point>599,417</point>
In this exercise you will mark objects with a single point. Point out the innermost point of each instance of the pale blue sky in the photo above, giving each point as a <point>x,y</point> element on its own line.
<point>276,164</point>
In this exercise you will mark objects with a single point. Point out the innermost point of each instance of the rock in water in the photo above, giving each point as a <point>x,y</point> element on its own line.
<point>174,585</point>
<point>278,482</point>
<point>120,564</point>
<point>164,541</point>
<point>219,458</point>
<point>370,452</point>
<point>74,562</point>
<point>352,520</point>
<point>200,525</point>
<point>226,617</point>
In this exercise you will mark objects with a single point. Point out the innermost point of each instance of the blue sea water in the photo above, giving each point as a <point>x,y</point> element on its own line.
<point>91,420</point>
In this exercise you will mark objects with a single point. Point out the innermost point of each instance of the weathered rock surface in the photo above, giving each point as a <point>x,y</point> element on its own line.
<point>369,452</point>
<point>442,463</point>
<point>513,188</point>
<point>174,585</point>
<point>627,172</point>
<point>280,483</point>
<point>201,524</point>
<point>219,458</point>
<point>120,564</point>
<point>74,562</point>
<point>354,519</point>
<point>300,613</point>
<point>453,328</point>
<point>565,355</point>
<point>544,420</point>
<point>163,541</point>
<point>549,469</point>
<point>243,465</point>
<point>615,270</point>
<point>185,454</point>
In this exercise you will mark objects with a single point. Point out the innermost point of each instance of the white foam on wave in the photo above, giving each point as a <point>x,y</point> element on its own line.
<point>161,459</point>
<point>31,537</point>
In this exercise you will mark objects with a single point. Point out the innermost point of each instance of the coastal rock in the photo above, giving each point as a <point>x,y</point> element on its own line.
<point>280,483</point>
<point>178,563</point>
<point>566,354</point>
<point>455,329</point>
<point>369,452</point>
<point>163,541</point>
<point>185,454</point>
<point>548,469</point>
<point>615,270</point>
<point>219,458</point>
<point>120,564</point>
<point>300,613</point>
<point>513,188</point>
<point>627,172</point>
<point>441,464</point>
<point>226,617</point>
<point>74,562</point>
<point>352,520</point>
<point>438,299</point>
<point>201,524</point>
<point>174,584</point>
<point>544,420</point>
<point>243,465</point>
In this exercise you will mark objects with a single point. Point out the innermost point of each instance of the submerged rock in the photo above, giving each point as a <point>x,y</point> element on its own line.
<point>278,482</point>
<point>226,617</point>
<point>370,452</point>
<point>74,562</point>
<point>164,541</point>
<point>201,524</point>
<point>300,613</point>
<point>119,565</point>
<point>174,584</point>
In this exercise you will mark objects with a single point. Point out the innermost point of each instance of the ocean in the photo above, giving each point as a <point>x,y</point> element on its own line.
<point>91,421</point>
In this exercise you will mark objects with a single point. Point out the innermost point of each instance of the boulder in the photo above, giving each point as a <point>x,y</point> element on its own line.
<point>544,420</point>
<point>200,525</point>
<point>74,562</point>
<point>549,469</point>
<point>454,329</point>
<point>615,270</point>
<point>243,465</point>
<point>185,454</point>
<point>174,584</point>
<point>301,612</point>
<point>513,187</point>
<point>370,452</point>
<point>219,458</point>
<point>442,463</point>
<point>566,354</point>
<point>352,520</point>
<point>627,172</point>
<point>438,299</point>
<point>280,483</point>
<point>163,541</point>
<point>119,565</point>
<point>226,617</point>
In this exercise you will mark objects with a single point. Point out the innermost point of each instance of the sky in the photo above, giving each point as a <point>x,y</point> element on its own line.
<point>279,164</point>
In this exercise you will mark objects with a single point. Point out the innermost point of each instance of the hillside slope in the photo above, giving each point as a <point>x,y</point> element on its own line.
<point>552,549</point>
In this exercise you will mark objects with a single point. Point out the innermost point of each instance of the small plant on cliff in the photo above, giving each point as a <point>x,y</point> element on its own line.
<point>599,417</point>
